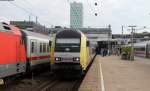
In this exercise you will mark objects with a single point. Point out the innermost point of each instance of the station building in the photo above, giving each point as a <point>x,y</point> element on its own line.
<point>126,38</point>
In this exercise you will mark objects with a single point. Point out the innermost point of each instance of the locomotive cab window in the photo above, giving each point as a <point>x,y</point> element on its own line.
<point>7,28</point>
<point>68,45</point>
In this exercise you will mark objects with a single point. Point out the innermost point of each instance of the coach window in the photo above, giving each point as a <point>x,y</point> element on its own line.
<point>32,47</point>
<point>48,47</point>
<point>40,47</point>
<point>136,49</point>
<point>142,49</point>
<point>44,47</point>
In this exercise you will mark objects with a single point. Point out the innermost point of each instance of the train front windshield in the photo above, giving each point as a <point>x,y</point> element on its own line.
<point>67,45</point>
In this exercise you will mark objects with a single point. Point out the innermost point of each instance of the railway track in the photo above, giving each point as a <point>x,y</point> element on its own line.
<point>44,82</point>
<point>27,83</point>
<point>61,85</point>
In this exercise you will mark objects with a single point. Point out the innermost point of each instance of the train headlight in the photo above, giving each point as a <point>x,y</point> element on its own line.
<point>57,59</point>
<point>76,59</point>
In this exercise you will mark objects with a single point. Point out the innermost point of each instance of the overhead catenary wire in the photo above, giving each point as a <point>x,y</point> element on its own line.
<point>26,1</point>
<point>21,8</point>
<point>30,13</point>
<point>29,7</point>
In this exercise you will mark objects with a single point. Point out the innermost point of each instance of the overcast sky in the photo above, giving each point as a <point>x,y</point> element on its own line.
<point>57,12</point>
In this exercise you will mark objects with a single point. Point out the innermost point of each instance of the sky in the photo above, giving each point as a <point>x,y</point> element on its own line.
<point>57,13</point>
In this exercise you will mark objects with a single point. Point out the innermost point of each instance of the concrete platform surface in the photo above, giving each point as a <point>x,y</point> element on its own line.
<point>117,75</point>
<point>91,81</point>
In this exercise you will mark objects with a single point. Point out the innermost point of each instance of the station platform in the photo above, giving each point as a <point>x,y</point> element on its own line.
<point>110,73</point>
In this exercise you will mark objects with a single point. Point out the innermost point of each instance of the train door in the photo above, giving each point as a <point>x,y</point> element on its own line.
<point>101,46</point>
<point>19,60</point>
<point>33,51</point>
<point>20,55</point>
<point>17,56</point>
<point>148,50</point>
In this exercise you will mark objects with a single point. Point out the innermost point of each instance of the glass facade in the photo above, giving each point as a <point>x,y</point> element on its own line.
<point>76,15</point>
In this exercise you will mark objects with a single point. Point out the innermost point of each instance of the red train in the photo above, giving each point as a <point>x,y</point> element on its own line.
<point>21,50</point>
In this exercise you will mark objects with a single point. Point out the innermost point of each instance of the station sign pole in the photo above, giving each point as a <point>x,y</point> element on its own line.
<point>132,42</point>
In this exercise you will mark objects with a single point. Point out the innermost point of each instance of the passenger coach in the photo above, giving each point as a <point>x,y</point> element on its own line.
<point>141,49</point>
<point>21,51</point>
<point>37,49</point>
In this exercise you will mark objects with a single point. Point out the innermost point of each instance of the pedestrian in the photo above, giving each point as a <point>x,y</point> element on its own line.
<point>102,50</point>
<point>118,52</point>
<point>108,52</point>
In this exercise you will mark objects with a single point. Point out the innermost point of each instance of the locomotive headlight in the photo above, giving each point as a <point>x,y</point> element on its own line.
<point>57,59</point>
<point>76,59</point>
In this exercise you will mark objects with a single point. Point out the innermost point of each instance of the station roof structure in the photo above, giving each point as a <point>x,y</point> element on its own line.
<point>87,30</point>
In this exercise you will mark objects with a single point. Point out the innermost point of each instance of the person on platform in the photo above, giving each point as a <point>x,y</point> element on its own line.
<point>102,52</point>
<point>108,52</point>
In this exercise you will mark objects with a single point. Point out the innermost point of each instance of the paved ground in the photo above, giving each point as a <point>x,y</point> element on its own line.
<point>91,81</point>
<point>118,75</point>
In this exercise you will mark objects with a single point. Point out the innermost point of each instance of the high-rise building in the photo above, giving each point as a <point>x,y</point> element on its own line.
<point>76,15</point>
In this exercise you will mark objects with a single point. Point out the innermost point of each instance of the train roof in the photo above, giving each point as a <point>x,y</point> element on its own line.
<point>144,43</point>
<point>69,33</point>
<point>4,27</point>
<point>29,33</point>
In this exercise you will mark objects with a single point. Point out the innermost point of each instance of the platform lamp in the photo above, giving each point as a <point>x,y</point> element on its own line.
<point>132,42</point>
<point>96,4</point>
